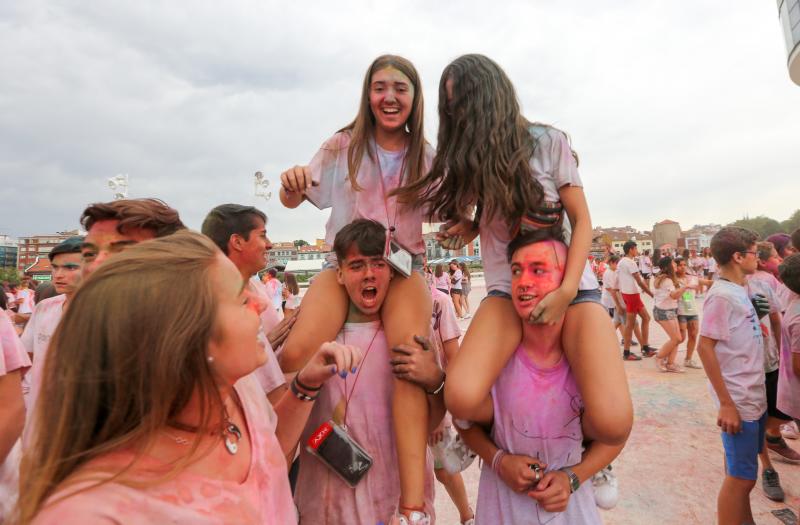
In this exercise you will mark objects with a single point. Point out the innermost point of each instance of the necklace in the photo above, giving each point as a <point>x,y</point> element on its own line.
<point>231,435</point>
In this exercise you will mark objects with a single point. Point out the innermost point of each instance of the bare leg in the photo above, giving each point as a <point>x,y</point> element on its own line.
<point>590,345</point>
<point>466,302</point>
<point>454,484</point>
<point>630,322</point>
<point>733,503</point>
<point>669,348</point>
<point>457,303</point>
<point>406,312</point>
<point>645,327</point>
<point>492,337</point>
<point>691,342</point>
<point>320,319</point>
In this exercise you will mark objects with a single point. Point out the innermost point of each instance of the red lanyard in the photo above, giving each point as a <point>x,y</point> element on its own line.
<point>383,185</point>
<point>358,374</point>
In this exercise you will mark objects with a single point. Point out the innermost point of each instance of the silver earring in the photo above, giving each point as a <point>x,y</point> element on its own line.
<point>210,359</point>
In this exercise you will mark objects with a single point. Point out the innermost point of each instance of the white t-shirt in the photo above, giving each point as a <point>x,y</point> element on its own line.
<point>269,375</point>
<point>455,279</point>
<point>712,265</point>
<point>609,284</point>
<point>687,305</point>
<point>645,264</point>
<point>625,270</point>
<point>442,282</point>
<point>26,306</point>
<point>554,167</point>
<point>661,297</point>
<point>766,284</point>
<point>730,319</point>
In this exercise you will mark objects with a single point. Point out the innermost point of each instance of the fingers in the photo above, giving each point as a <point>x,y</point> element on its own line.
<point>296,179</point>
<point>404,350</point>
<point>423,342</point>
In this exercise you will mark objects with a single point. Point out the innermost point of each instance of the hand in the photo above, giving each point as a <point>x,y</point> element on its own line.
<point>552,492</point>
<point>729,420</point>
<point>331,358</point>
<point>761,305</point>
<point>552,307</point>
<point>297,179</point>
<point>278,335</point>
<point>516,471</point>
<point>437,435</point>
<point>455,234</point>
<point>417,365</point>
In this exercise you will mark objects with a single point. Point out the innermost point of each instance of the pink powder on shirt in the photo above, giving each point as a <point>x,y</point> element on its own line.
<point>329,168</point>
<point>788,381</point>
<point>537,412</point>
<point>321,496</point>
<point>264,496</point>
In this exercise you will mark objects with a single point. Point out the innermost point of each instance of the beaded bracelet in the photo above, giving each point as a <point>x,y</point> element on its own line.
<point>306,387</point>
<point>498,457</point>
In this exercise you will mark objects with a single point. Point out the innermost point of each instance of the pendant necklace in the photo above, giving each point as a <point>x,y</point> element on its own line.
<point>230,435</point>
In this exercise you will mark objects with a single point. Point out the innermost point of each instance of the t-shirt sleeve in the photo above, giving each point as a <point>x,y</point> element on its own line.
<point>565,167</point>
<point>793,330</point>
<point>716,318</point>
<point>269,375</point>
<point>324,168</point>
<point>12,354</point>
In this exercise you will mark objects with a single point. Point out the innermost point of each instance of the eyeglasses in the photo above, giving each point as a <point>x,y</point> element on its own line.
<point>747,251</point>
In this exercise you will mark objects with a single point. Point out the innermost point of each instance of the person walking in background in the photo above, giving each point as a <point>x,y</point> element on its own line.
<point>466,286</point>
<point>441,279</point>
<point>646,266</point>
<point>291,293</point>
<point>630,282</point>
<point>665,312</point>
<point>456,277</point>
<point>688,311</point>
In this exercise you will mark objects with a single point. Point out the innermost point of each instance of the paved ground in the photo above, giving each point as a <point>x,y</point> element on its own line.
<point>671,469</point>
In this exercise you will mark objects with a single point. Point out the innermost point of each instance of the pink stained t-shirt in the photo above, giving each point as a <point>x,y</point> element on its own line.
<point>537,412</point>
<point>12,358</point>
<point>554,167</point>
<point>321,496</point>
<point>729,319</point>
<point>788,381</point>
<point>329,169</point>
<point>263,498</point>
<point>36,339</point>
<point>442,282</point>
<point>269,375</point>
<point>767,285</point>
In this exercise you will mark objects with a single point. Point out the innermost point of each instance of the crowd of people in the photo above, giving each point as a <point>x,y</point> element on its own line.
<point>173,380</point>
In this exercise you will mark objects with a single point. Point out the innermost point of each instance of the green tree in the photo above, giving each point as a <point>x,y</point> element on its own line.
<point>792,223</point>
<point>300,242</point>
<point>9,274</point>
<point>764,226</point>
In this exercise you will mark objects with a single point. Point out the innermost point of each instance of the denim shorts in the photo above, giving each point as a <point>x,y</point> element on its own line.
<point>665,315</point>
<point>498,293</point>
<point>588,296</point>
<point>616,316</point>
<point>684,319</point>
<point>742,449</point>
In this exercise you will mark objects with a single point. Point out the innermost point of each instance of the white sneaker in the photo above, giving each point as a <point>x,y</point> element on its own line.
<point>416,518</point>
<point>691,363</point>
<point>606,488</point>
<point>790,431</point>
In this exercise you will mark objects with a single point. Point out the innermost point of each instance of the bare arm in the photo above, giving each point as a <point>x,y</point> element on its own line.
<point>642,284</point>
<point>574,201</point>
<point>12,411</point>
<point>728,418</point>
<point>294,182</point>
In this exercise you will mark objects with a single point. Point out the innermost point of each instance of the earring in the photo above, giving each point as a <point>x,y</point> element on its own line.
<point>210,359</point>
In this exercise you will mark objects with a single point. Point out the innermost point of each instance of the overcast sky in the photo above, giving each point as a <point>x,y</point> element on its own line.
<point>679,109</point>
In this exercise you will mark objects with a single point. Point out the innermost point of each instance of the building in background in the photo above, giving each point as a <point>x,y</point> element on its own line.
<point>666,234</point>
<point>40,270</point>
<point>281,253</point>
<point>9,248</point>
<point>320,250</point>
<point>37,247</point>
<point>789,15</point>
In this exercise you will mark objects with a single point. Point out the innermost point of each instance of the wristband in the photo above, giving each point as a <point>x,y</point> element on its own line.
<point>574,481</point>
<point>498,456</point>
<point>304,386</point>
<point>439,388</point>
<point>302,396</point>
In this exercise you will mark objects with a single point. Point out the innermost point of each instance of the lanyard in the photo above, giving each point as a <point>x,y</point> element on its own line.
<point>383,185</point>
<point>358,374</point>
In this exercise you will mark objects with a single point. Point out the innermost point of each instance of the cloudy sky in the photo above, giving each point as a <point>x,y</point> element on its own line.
<point>679,109</point>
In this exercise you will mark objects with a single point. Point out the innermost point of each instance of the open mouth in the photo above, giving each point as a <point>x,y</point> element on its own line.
<point>390,111</point>
<point>525,298</point>
<point>369,293</point>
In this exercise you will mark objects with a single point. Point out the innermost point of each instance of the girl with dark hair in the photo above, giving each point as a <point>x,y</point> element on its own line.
<point>666,292</point>
<point>513,176</point>
<point>456,291</point>
<point>353,173</point>
<point>291,293</point>
<point>466,285</point>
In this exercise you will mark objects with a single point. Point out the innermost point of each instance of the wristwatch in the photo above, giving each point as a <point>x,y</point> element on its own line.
<point>574,482</point>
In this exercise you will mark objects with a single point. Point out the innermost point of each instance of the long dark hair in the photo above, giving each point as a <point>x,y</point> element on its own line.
<point>484,147</point>
<point>667,272</point>
<point>362,129</point>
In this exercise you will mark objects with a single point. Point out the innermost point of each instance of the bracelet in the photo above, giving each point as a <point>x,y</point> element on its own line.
<point>304,386</point>
<point>498,457</point>
<point>440,387</point>
<point>302,396</point>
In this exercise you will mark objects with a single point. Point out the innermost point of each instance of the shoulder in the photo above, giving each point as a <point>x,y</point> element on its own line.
<point>51,303</point>
<point>339,141</point>
<point>82,503</point>
<point>545,134</point>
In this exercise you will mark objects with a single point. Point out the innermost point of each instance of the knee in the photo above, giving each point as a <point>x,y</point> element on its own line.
<point>441,475</point>
<point>460,401</point>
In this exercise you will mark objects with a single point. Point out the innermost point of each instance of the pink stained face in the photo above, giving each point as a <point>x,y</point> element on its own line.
<point>366,279</point>
<point>536,270</point>
<point>103,240</point>
<point>255,250</point>
<point>391,98</point>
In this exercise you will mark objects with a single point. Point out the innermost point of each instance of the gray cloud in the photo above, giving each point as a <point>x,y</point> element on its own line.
<point>678,109</point>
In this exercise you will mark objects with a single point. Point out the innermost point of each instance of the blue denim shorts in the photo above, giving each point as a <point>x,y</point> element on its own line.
<point>742,449</point>
<point>498,293</point>
<point>588,296</point>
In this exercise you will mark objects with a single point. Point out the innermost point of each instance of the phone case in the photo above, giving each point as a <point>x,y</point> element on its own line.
<point>332,445</point>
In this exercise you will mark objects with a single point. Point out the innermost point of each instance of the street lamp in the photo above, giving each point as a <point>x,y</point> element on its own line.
<point>261,184</point>
<point>119,185</point>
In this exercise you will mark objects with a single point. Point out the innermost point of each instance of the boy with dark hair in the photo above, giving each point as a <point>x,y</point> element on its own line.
<point>227,220</point>
<point>630,281</point>
<point>362,403</point>
<point>732,351</point>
